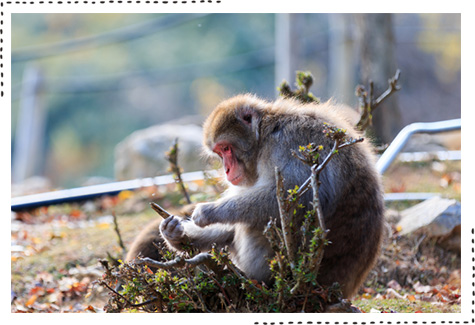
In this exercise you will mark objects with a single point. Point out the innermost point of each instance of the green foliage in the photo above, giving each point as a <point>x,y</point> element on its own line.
<point>304,81</point>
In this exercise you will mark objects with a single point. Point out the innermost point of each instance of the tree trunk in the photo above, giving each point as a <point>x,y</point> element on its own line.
<point>287,47</point>
<point>341,65</point>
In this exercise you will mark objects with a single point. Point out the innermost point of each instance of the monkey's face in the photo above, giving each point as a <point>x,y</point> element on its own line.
<point>232,133</point>
<point>235,173</point>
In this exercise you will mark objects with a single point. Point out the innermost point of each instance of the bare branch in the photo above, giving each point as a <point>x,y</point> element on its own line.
<point>130,304</point>
<point>393,87</point>
<point>116,228</point>
<point>172,157</point>
<point>201,258</point>
<point>161,211</point>
<point>368,104</point>
<point>285,219</point>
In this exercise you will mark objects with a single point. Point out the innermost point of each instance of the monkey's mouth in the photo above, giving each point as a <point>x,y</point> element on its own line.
<point>236,180</point>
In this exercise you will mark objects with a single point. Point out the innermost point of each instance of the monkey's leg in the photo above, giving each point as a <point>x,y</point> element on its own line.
<point>143,244</point>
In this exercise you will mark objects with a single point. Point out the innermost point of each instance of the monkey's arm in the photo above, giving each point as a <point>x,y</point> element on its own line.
<point>253,207</point>
<point>178,231</point>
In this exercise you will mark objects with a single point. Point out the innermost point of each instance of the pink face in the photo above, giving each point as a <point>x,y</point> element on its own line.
<point>234,171</point>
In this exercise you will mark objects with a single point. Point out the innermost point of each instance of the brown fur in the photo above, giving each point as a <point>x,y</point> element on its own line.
<point>262,134</point>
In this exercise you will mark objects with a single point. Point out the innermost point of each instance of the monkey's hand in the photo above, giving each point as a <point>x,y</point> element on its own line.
<point>172,230</point>
<point>203,214</point>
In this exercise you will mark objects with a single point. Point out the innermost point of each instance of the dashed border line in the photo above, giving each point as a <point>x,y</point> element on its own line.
<point>112,1</point>
<point>255,323</point>
<point>1,50</point>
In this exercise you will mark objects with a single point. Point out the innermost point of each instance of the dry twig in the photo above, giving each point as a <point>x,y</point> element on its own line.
<point>117,231</point>
<point>172,157</point>
<point>367,103</point>
<point>201,258</point>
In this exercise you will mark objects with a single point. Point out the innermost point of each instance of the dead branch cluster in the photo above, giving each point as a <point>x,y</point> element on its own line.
<point>368,103</point>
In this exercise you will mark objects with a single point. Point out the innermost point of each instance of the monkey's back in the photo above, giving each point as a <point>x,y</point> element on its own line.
<point>350,192</point>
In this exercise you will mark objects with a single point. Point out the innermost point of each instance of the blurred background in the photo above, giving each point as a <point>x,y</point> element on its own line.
<point>96,97</point>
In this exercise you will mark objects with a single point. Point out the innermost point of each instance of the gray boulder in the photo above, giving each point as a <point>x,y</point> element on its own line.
<point>142,154</point>
<point>437,218</point>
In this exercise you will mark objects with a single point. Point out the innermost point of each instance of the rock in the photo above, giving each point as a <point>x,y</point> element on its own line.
<point>142,154</point>
<point>32,185</point>
<point>452,241</point>
<point>392,216</point>
<point>437,215</point>
<point>437,218</point>
<point>434,142</point>
<point>344,306</point>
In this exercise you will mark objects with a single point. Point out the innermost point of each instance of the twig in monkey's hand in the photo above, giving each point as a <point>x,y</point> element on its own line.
<point>161,211</point>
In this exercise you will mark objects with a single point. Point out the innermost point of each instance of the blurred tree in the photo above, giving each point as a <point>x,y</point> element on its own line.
<point>377,57</point>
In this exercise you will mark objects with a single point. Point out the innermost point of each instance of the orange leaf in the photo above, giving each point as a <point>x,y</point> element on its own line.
<point>76,213</point>
<point>37,290</point>
<point>124,195</point>
<point>31,301</point>
<point>411,298</point>
<point>90,308</point>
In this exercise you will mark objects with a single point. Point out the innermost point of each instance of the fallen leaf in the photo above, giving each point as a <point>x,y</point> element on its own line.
<point>31,301</point>
<point>391,294</point>
<point>369,290</point>
<point>393,284</point>
<point>90,308</point>
<point>419,288</point>
<point>103,225</point>
<point>124,195</point>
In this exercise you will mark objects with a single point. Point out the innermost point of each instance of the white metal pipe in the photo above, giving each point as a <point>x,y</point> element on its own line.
<point>401,139</point>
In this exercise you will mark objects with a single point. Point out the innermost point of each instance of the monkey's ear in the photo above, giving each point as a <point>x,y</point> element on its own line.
<point>251,117</point>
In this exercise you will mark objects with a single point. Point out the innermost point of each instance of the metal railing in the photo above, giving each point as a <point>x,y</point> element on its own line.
<point>90,192</point>
<point>405,134</point>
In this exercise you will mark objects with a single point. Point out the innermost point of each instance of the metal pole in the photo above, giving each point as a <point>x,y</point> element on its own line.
<point>93,191</point>
<point>401,139</point>
<point>28,150</point>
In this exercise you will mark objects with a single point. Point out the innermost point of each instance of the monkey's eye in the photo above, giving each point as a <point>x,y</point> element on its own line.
<point>226,148</point>
<point>247,118</point>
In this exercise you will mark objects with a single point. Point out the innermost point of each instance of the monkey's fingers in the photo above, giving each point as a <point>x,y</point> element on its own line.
<point>161,211</point>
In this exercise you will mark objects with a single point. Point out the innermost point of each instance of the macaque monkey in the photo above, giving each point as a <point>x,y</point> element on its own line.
<point>251,137</point>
